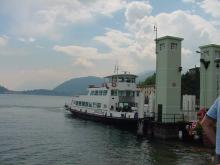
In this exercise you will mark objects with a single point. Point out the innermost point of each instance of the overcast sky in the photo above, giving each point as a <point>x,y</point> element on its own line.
<point>45,42</point>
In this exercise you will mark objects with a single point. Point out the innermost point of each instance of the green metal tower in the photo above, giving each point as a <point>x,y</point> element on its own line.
<point>209,74</point>
<point>168,77</point>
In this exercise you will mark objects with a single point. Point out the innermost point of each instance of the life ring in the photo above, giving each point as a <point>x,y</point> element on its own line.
<point>113,84</point>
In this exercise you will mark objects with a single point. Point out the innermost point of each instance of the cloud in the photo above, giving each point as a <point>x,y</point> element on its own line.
<point>79,51</point>
<point>3,40</point>
<point>131,54</point>
<point>47,18</point>
<point>189,1</point>
<point>137,10</point>
<point>107,7</point>
<point>211,7</point>
<point>27,40</point>
<point>83,62</point>
<point>83,55</point>
<point>115,39</point>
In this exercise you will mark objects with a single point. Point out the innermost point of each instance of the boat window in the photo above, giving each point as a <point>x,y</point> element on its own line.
<point>98,105</point>
<point>113,92</point>
<point>121,79</point>
<point>120,105</point>
<point>94,105</point>
<point>96,92</point>
<point>121,93</point>
<point>133,80</point>
<point>105,92</point>
<point>138,93</point>
<point>125,104</point>
<point>80,103</point>
<point>128,80</point>
<point>86,104</point>
<point>100,92</point>
<point>129,93</point>
<point>114,79</point>
<point>104,106</point>
<point>83,103</point>
<point>90,104</point>
<point>92,93</point>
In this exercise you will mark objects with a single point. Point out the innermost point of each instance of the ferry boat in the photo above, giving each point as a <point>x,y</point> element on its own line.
<point>115,101</point>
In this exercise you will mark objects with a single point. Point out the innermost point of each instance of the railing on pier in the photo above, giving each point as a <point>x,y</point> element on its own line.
<point>169,118</point>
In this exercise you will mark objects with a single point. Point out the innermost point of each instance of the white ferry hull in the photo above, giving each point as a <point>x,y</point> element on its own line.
<point>119,121</point>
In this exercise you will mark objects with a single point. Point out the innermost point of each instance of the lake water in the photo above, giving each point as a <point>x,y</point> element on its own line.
<point>35,130</point>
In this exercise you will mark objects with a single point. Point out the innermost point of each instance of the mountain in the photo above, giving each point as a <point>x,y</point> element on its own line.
<point>77,86</point>
<point>40,92</point>
<point>142,76</point>
<point>3,90</point>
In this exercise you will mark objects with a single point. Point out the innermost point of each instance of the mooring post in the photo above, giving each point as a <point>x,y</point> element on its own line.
<point>141,115</point>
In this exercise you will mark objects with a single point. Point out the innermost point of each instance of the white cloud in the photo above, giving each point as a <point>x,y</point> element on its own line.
<point>115,39</point>
<point>83,55</point>
<point>107,7</point>
<point>47,18</point>
<point>79,51</point>
<point>3,40</point>
<point>84,62</point>
<point>189,1</point>
<point>27,40</point>
<point>137,10</point>
<point>211,7</point>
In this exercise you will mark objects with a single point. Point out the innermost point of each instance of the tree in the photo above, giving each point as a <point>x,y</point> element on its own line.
<point>149,80</point>
<point>191,83</point>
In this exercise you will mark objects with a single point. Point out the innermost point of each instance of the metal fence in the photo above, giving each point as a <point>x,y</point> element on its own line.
<point>169,118</point>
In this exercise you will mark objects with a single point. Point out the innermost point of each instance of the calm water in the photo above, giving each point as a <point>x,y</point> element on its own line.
<point>36,130</point>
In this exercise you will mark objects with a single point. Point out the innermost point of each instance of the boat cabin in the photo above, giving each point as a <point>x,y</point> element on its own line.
<point>121,78</point>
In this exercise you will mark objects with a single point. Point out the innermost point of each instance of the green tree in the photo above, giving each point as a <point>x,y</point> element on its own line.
<point>191,83</point>
<point>149,80</point>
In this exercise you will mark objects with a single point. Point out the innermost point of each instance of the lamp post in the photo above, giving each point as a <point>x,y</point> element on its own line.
<point>217,61</point>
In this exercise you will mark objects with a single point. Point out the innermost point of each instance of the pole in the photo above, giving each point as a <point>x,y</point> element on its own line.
<point>140,114</point>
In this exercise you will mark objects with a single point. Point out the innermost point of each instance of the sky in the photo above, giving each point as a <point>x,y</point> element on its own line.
<point>46,42</point>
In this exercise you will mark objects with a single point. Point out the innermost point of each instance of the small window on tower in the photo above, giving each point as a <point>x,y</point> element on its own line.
<point>206,53</point>
<point>217,54</point>
<point>173,46</point>
<point>162,46</point>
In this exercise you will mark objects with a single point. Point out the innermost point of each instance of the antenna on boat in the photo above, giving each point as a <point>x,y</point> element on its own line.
<point>116,68</point>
